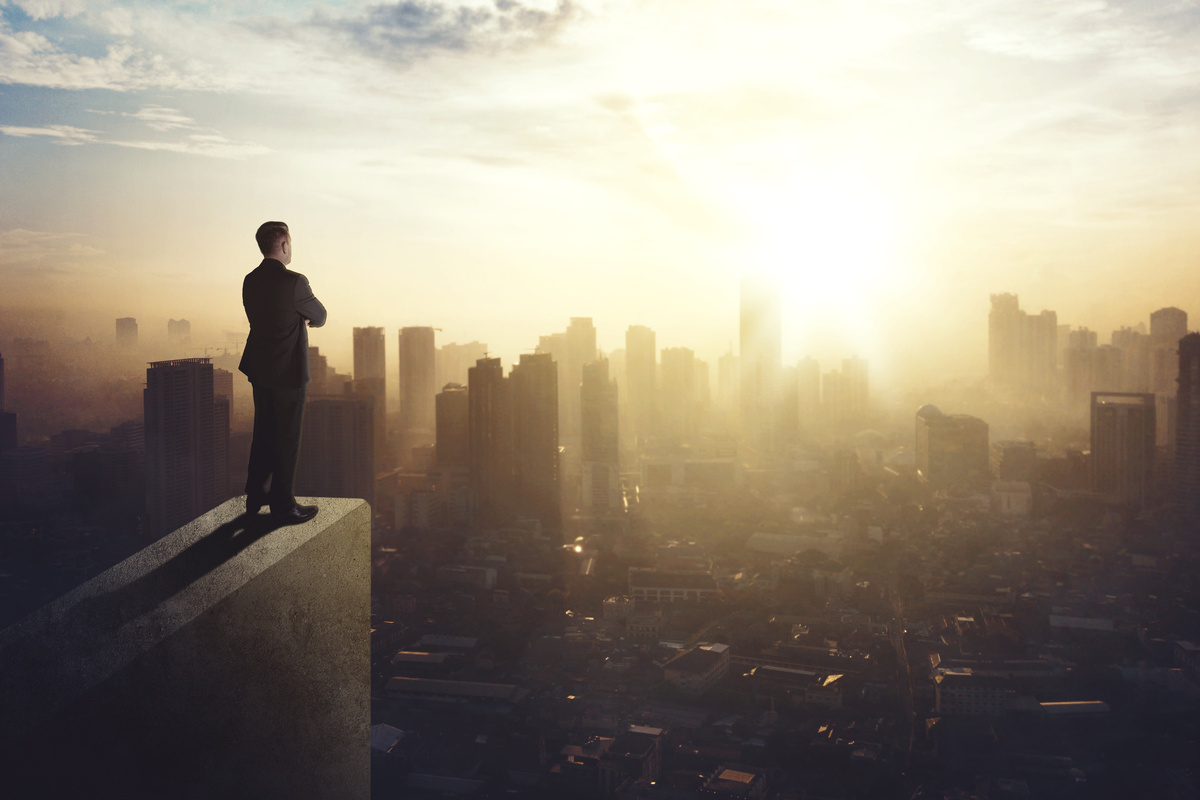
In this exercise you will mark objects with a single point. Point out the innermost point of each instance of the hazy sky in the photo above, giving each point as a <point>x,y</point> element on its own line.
<point>493,167</point>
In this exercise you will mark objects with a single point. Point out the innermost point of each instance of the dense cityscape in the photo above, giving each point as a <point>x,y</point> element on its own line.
<point>639,574</point>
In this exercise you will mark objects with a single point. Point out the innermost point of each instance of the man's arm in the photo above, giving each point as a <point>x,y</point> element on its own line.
<point>307,304</point>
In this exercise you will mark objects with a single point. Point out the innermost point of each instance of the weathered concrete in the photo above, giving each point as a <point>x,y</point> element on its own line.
<point>229,659</point>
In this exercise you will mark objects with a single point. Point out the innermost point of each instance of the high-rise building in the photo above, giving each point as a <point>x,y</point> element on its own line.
<point>641,379</point>
<point>453,429</point>
<point>454,360</point>
<point>418,421</point>
<point>1,381</point>
<point>857,386</point>
<point>179,331</point>
<point>370,361</point>
<point>1123,447</point>
<point>1135,354</point>
<point>1187,428</point>
<point>185,441</point>
<point>318,369</point>
<point>534,382</point>
<point>337,448</point>
<point>581,349</point>
<point>1014,460</point>
<point>601,484</point>
<point>808,394</point>
<point>127,334</point>
<point>952,449</point>
<point>728,392</point>
<point>1022,348</point>
<point>490,423</point>
<point>760,344</point>
<point>677,397</point>
<point>1167,327</point>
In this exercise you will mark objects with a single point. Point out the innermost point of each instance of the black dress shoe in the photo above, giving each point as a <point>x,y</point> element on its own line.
<point>294,515</point>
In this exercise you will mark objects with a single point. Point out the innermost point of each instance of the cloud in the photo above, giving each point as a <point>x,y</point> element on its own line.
<point>405,31</point>
<point>63,134</point>
<point>160,118</point>
<point>49,9</point>
<point>40,252</point>
<point>208,145</point>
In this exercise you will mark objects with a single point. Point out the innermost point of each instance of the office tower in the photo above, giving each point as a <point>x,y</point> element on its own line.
<point>1167,327</point>
<point>598,417</point>
<point>641,378</point>
<point>223,386</point>
<point>489,396</point>
<point>1187,430</point>
<point>1022,348</point>
<point>1014,461</point>
<point>318,370</point>
<point>1123,447</point>
<point>1135,353</point>
<point>127,333</point>
<point>759,337</point>
<point>808,394</point>
<point>185,441</point>
<point>952,449</point>
<point>373,387</point>
<point>534,382</point>
<point>418,421</point>
<point>581,349</point>
<point>337,448</point>
<point>677,396</point>
<point>453,429</point>
<point>454,360</point>
<point>788,425</point>
<point>370,362</point>
<point>179,331</point>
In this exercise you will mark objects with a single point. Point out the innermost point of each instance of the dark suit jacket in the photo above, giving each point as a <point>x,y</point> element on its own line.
<point>277,302</point>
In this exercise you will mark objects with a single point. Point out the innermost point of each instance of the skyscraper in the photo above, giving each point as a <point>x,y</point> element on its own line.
<point>1187,430</point>
<point>418,421</point>
<point>453,360</point>
<point>759,359</point>
<point>179,331</point>
<point>337,451</point>
<point>370,362</point>
<point>183,476</point>
<point>490,436</point>
<point>677,399</point>
<point>535,438</point>
<point>453,429</point>
<point>1123,447</point>
<point>601,483</point>
<point>641,378</point>
<point>808,393</point>
<point>127,333</point>
<point>1022,348</point>
<point>581,349</point>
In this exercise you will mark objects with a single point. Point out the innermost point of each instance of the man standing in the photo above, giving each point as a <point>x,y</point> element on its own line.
<point>280,306</point>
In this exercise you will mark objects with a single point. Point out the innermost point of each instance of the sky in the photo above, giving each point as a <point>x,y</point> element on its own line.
<point>495,167</point>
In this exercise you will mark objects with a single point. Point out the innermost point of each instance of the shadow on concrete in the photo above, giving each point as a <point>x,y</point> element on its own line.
<point>113,609</point>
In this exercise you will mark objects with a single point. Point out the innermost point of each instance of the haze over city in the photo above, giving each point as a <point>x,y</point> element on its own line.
<point>489,168</point>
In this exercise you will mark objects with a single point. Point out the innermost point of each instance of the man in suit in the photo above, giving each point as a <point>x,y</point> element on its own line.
<point>280,306</point>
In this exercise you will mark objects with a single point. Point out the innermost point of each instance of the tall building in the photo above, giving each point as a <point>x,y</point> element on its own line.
<point>1187,428</point>
<point>337,448</point>
<point>641,379</point>
<point>857,386</point>
<point>489,431</point>
<point>808,394</point>
<point>1123,447</point>
<point>179,331</point>
<point>535,383</point>
<point>184,443</point>
<point>127,336</point>
<point>370,361</point>
<point>454,360</point>
<point>677,397</point>
<point>728,392</point>
<point>453,429</point>
<point>418,421</point>
<point>952,449</point>
<point>601,484</point>
<point>581,349</point>
<point>1022,348</point>
<point>1,381</point>
<point>760,344</point>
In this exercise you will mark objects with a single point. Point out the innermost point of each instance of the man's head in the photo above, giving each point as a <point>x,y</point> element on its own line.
<point>275,241</point>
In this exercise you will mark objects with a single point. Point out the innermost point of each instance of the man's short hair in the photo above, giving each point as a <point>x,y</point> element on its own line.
<point>269,235</point>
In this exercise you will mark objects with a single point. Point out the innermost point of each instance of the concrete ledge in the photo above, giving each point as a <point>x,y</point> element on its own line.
<point>230,659</point>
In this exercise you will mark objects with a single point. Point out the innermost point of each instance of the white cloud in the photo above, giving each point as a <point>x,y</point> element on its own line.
<point>161,118</point>
<point>48,9</point>
<point>64,134</point>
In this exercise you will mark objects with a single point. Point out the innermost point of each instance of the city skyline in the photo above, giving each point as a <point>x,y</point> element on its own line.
<point>483,171</point>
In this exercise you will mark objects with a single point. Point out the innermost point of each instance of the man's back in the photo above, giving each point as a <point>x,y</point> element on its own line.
<point>277,303</point>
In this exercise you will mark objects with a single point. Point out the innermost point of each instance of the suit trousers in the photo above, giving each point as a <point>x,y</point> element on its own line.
<point>275,448</point>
